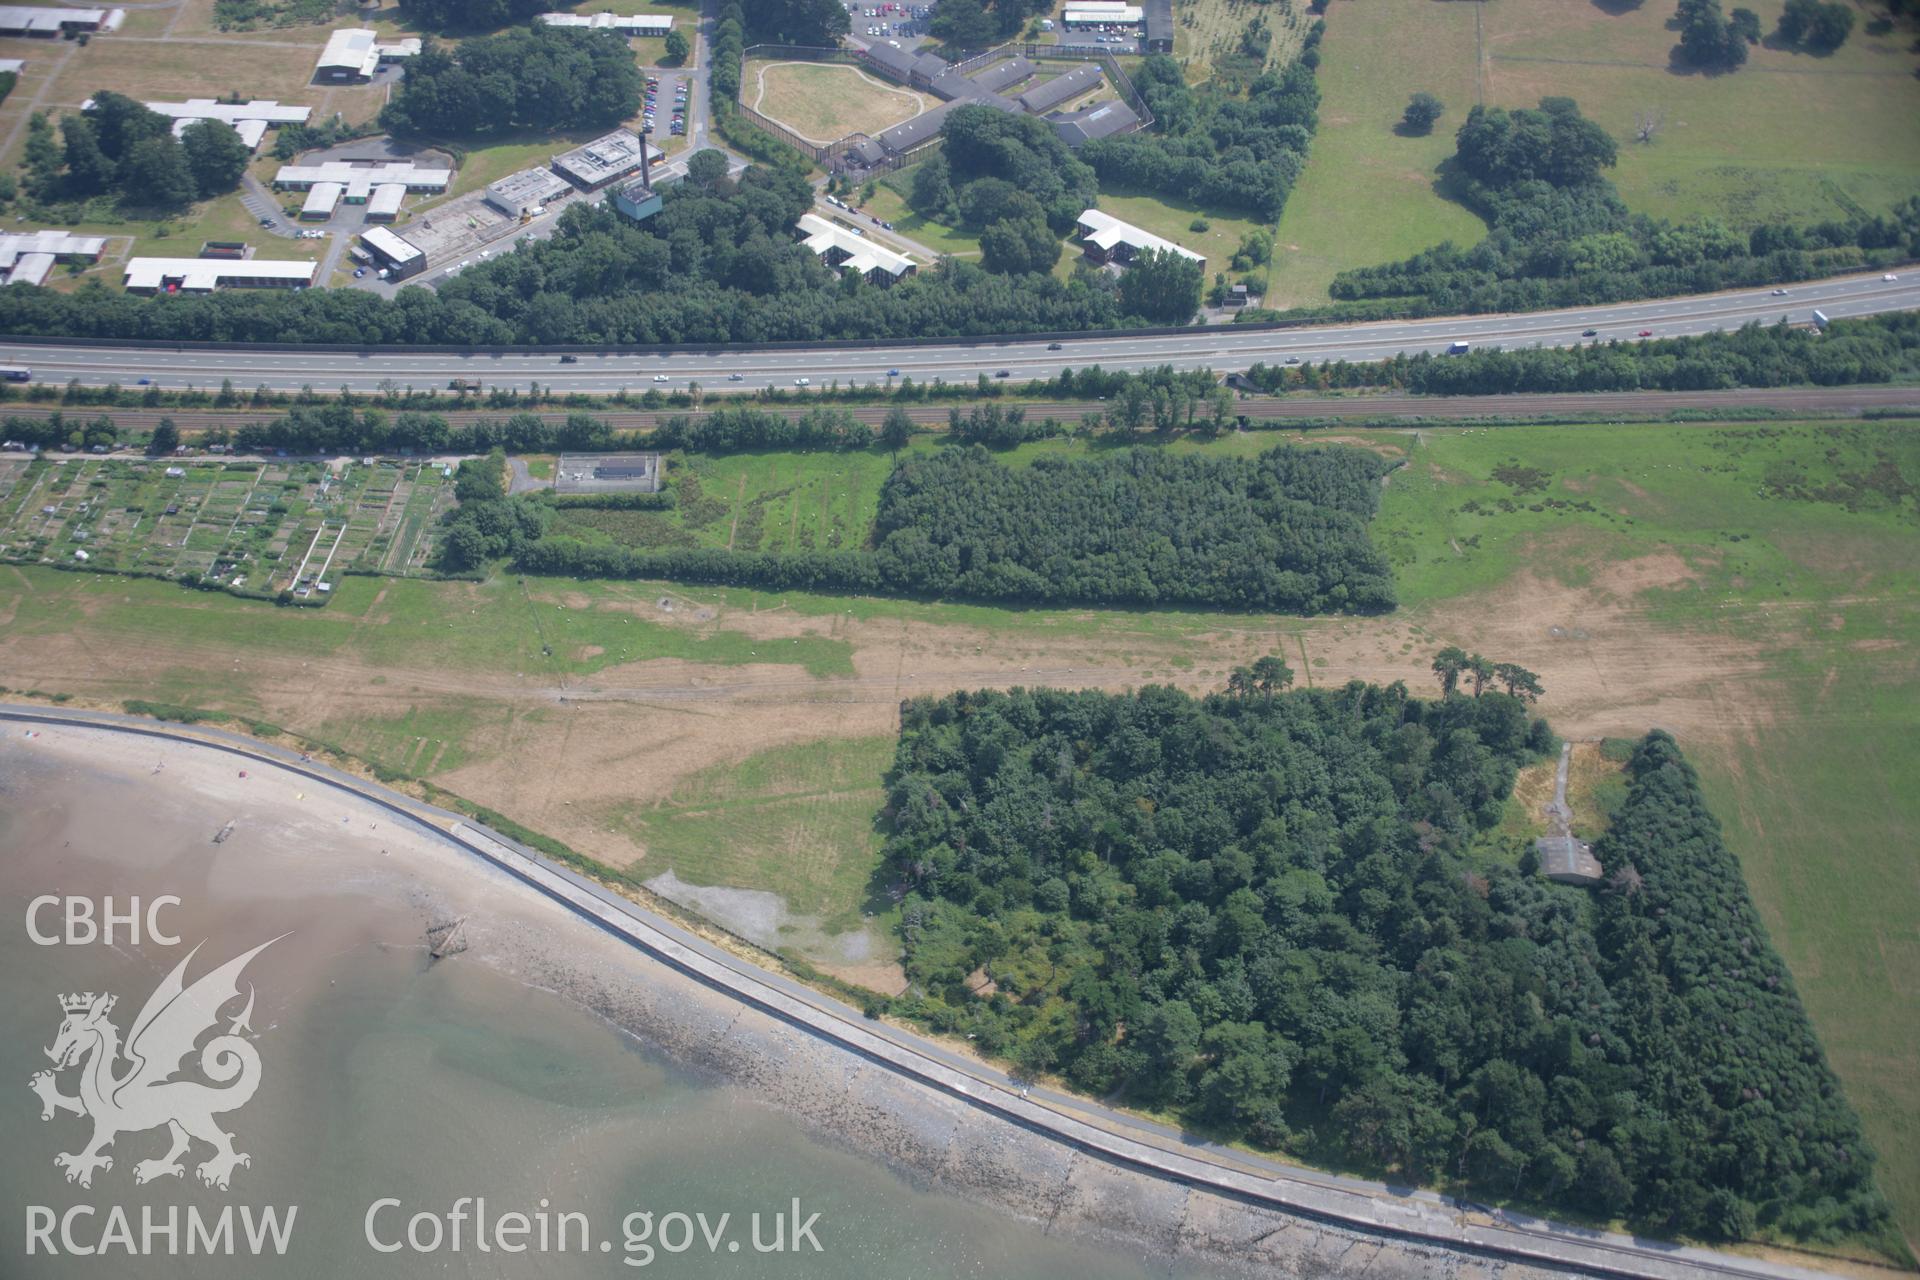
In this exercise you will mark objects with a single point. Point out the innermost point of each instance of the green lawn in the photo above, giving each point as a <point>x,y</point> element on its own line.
<point>889,204</point>
<point>799,821</point>
<point>1790,136</point>
<point>1369,195</point>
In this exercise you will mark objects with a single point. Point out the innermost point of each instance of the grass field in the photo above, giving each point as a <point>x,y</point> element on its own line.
<point>826,101</point>
<point>777,501</point>
<point>889,204</point>
<point>797,821</point>
<point>1749,588</point>
<point>1790,136</point>
<point>1207,36</point>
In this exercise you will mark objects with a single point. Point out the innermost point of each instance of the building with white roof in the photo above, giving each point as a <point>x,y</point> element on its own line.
<point>322,198</point>
<point>398,256</point>
<point>15,65</point>
<point>384,204</point>
<point>1081,14</point>
<point>204,275</point>
<point>627,24</point>
<point>841,247</point>
<point>605,160</point>
<point>250,120</point>
<point>26,257</point>
<point>355,53</point>
<point>1107,239</point>
<point>31,20</point>
<point>529,189</point>
<point>359,180</point>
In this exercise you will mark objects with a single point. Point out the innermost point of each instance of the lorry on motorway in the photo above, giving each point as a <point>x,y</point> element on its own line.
<point>16,373</point>
<point>464,384</point>
<point>1820,321</point>
<point>1458,348</point>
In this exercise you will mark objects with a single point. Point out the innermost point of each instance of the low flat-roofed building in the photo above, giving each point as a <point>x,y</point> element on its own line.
<point>384,204</point>
<point>31,20</point>
<point>26,257</point>
<point>627,24</point>
<point>1105,238</point>
<point>1078,16</point>
<point>322,199</point>
<point>605,160</point>
<point>204,275</point>
<point>250,120</point>
<point>397,255</point>
<point>892,58</point>
<point>15,65</point>
<point>1078,128</point>
<point>355,53</point>
<point>838,246</point>
<point>637,200</point>
<point>1044,97</point>
<point>359,180</point>
<point>529,189</point>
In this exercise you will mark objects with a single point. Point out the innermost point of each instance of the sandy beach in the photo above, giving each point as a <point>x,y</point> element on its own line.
<point>344,873</point>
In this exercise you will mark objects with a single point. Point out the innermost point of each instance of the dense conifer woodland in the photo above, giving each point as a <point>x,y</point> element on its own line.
<point>1276,914</point>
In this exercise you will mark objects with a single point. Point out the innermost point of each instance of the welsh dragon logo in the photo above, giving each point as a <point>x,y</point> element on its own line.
<point>143,1094</point>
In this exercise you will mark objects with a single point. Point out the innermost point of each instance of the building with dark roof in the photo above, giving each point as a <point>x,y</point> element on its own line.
<point>890,58</point>
<point>1159,19</point>
<point>1004,74</point>
<point>1045,97</point>
<point>1078,128</point>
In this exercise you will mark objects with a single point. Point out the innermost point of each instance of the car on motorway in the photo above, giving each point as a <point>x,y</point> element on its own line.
<point>1293,359</point>
<point>1589,333</point>
<point>1003,373</point>
<point>1053,346</point>
<point>569,359</point>
<point>1779,293</point>
<point>803,382</point>
<point>736,377</point>
<point>1646,333</point>
<point>1889,277</point>
<point>144,382</point>
<point>893,373</point>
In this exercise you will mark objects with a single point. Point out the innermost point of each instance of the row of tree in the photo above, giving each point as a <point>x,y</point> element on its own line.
<point>1872,349</point>
<point>1259,911</point>
<point>1718,41</point>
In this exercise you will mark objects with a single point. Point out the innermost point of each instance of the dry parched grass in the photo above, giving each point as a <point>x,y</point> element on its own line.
<point>826,101</point>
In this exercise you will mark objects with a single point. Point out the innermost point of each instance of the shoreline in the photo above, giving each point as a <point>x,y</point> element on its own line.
<point>935,1125</point>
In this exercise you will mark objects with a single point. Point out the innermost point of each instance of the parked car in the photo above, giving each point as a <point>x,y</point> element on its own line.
<point>359,272</point>
<point>267,222</point>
